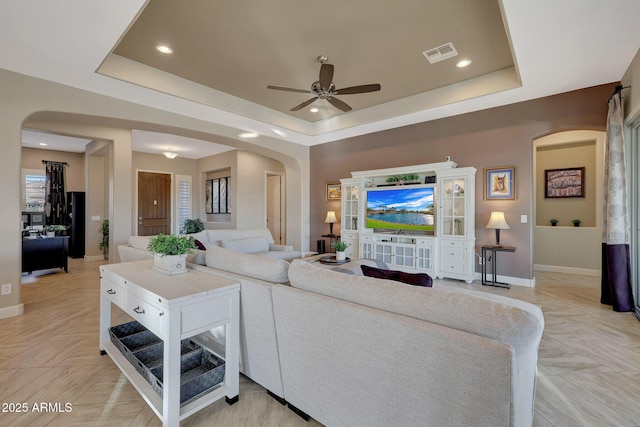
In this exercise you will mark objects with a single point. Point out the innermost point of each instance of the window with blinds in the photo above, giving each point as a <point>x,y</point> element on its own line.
<point>183,200</point>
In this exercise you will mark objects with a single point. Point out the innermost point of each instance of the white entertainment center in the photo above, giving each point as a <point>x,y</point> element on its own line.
<point>446,251</point>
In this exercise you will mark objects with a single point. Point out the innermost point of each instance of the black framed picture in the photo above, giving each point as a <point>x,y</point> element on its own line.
<point>563,183</point>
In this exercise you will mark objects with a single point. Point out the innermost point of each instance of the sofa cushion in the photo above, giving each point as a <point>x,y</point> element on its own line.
<point>256,266</point>
<point>139,242</point>
<point>465,310</point>
<point>200,245</point>
<point>250,245</point>
<point>214,237</point>
<point>417,279</point>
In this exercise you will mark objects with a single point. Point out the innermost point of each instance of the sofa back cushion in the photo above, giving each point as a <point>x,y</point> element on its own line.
<point>139,242</point>
<point>520,323</point>
<point>214,237</point>
<point>250,245</point>
<point>256,266</point>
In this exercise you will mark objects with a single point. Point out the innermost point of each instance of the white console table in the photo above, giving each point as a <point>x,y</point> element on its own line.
<point>174,308</point>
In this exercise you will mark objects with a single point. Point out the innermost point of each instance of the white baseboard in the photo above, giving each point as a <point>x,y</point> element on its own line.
<point>14,310</point>
<point>516,281</point>
<point>94,257</point>
<point>568,270</point>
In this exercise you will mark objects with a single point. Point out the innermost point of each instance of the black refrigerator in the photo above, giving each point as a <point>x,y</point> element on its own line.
<point>76,223</point>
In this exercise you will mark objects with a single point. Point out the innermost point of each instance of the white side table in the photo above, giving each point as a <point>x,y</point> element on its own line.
<point>174,308</point>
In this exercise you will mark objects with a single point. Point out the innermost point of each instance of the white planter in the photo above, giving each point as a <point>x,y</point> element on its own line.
<point>170,264</point>
<point>51,234</point>
<point>341,256</point>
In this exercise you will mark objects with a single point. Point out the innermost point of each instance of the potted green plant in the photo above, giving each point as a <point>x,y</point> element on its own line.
<point>170,252</point>
<point>104,243</point>
<point>191,226</point>
<point>576,222</point>
<point>340,247</point>
<point>52,229</point>
<point>553,222</point>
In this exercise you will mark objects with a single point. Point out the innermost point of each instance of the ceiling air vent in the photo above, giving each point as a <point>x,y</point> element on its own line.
<point>440,53</point>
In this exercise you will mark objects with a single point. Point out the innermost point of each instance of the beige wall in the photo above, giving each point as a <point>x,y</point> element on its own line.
<point>579,154</point>
<point>158,163</point>
<point>490,138</point>
<point>252,188</point>
<point>42,105</point>
<point>631,96</point>
<point>74,172</point>
<point>223,164</point>
<point>248,173</point>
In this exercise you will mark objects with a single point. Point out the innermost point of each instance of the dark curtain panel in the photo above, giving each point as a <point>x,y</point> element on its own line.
<point>616,267</point>
<point>55,203</point>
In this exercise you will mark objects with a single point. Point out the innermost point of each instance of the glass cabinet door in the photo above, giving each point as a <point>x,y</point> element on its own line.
<point>350,207</point>
<point>453,207</point>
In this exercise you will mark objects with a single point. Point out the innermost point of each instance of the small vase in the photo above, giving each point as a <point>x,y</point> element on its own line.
<point>170,264</point>
<point>341,256</point>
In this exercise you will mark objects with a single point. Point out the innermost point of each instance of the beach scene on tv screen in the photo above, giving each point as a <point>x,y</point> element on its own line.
<point>401,209</point>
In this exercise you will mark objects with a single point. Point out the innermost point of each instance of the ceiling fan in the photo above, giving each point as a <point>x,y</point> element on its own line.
<point>325,89</point>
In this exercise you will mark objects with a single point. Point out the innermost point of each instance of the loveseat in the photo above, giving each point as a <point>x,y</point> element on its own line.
<point>351,350</point>
<point>255,241</point>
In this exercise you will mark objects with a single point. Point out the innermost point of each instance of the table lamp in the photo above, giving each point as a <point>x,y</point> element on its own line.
<point>498,222</point>
<point>331,219</point>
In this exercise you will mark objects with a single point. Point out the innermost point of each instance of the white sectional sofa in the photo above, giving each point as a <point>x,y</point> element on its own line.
<point>351,350</point>
<point>255,241</point>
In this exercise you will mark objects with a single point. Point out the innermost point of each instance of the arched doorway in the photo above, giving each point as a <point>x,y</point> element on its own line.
<point>565,247</point>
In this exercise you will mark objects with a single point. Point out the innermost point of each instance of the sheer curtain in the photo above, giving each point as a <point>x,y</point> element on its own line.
<point>55,203</point>
<point>616,268</point>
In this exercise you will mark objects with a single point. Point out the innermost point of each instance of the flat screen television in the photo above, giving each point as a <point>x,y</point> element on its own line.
<point>405,208</point>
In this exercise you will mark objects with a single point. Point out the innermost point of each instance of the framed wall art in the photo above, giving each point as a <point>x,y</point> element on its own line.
<point>334,191</point>
<point>500,183</point>
<point>563,183</point>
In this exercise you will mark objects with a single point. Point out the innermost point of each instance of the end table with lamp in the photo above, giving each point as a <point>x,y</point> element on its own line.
<point>331,219</point>
<point>498,222</point>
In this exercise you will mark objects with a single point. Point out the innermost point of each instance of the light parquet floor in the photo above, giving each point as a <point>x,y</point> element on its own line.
<point>588,370</point>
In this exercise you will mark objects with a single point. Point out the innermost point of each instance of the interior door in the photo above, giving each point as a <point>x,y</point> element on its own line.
<point>154,203</point>
<point>274,207</point>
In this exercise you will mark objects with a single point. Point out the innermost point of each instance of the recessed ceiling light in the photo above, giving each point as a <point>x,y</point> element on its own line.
<point>248,135</point>
<point>164,48</point>
<point>314,110</point>
<point>42,144</point>
<point>463,63</point>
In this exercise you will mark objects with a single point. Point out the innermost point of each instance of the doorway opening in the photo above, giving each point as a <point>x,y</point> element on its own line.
<point>275,209</point>
<point>565,248</point>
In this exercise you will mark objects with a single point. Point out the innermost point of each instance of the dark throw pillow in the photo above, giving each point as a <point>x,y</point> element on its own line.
<point>199,245</point>
<point>416,279</point>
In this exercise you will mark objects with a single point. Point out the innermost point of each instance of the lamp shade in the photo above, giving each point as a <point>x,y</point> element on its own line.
<point>331,217</point>
<point>497,221</point>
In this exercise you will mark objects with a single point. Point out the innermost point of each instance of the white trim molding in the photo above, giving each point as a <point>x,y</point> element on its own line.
<point>14,310</point>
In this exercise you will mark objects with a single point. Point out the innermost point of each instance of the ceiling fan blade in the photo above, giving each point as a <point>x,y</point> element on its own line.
<point>304,104</point>
<point>326,75</point>
<point>288,89</point>
<point>340,105</point>
<point>358,89</point>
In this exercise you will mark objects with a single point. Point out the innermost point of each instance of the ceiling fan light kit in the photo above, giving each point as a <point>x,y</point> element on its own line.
<point>324,88</point>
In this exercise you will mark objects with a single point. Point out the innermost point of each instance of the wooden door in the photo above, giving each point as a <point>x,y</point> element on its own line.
<point>154,203</point>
